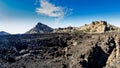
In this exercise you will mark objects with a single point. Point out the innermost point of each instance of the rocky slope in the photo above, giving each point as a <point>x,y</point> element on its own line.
<point>40,28</point>
<point>94,27</point>
<point>60,50</point>
<point>4,33</point>
<point>99,27</point>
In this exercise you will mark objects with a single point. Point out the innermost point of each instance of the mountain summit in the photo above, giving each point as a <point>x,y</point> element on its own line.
<point>3,33</point>
<point>40,28</point>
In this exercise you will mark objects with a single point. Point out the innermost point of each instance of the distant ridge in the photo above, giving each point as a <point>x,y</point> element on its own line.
<point>4,33</point>
<point>94,27</point>
<point>40,28</point>
<point>99,27</point>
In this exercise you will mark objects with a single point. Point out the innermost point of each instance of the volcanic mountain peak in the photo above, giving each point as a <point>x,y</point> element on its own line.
<point>4,33</point>
<point>40,28</point>
<point>40,25</point>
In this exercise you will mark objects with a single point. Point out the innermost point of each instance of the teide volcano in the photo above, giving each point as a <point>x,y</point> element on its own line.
<point>40,28</point>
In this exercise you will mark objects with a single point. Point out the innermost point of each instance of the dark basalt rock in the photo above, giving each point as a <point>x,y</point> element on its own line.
<point>58,50</point>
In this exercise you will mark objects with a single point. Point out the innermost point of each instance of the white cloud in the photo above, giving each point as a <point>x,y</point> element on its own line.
<point>49,9</point>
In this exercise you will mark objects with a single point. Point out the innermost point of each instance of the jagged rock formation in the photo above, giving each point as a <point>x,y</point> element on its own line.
<point>40,28</point>
<point>78,50</point>
<point>4,33</point>
<point>94,27</point>
<point>99,27</point>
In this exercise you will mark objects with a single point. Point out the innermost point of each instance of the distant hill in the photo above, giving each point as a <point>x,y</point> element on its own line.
<point>99,26</point>
<point>40,28</point>
<point>4,33</point>
<point>95,26</point>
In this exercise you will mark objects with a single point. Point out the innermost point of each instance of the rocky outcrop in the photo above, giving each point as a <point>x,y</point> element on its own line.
<point>99,27</point>
<point>94,27</point>
<point>114,58</point>
<point>40,28</point>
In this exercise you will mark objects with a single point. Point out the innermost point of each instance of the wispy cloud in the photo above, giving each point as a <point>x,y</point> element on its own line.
<point>51,10</point>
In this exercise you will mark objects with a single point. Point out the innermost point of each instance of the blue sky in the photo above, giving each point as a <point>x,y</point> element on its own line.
<point>18,16</point>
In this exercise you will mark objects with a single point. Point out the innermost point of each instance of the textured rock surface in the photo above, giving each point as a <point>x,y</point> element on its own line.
<point>99,27</point>
<point>78,50</point>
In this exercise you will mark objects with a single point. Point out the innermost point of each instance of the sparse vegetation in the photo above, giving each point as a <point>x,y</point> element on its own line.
<point>87,30</point>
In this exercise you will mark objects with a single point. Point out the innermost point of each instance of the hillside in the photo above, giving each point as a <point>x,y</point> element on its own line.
<point>99,27</point>
<point>94,27</point>
<point>60,50</point>
<point>4,33</point>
